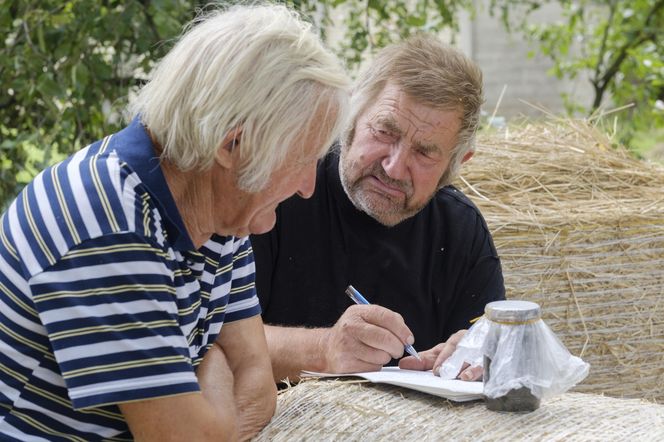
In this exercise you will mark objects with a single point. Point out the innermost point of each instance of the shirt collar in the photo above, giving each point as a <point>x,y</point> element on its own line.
<point>134,146</point>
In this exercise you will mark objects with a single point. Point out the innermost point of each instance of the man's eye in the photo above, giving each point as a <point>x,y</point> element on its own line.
<point>429,154</point>
<point>382,134</point>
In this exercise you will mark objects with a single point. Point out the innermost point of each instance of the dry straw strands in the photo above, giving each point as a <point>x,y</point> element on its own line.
<point>579,227</point>
<point>327,410</point>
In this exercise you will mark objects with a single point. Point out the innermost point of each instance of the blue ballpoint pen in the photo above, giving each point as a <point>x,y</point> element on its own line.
<point>359,299</point>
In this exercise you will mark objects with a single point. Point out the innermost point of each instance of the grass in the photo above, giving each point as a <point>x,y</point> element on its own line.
<point>649,143</point>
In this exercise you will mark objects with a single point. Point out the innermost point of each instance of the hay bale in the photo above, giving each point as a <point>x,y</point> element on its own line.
<point>579,226</point>
<point>322,410</point>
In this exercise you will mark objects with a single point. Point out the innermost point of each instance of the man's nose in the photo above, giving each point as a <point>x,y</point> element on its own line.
<point>395,163</point>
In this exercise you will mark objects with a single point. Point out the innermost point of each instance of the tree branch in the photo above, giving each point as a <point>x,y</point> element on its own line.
<point>637,39</point>
<point>150,19</point>
<point>605,36</point>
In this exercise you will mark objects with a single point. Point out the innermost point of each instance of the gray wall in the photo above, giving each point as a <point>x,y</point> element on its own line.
<point>504,61</point>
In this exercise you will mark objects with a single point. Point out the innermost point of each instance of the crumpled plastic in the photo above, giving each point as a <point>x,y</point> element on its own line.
<point>526,355</point>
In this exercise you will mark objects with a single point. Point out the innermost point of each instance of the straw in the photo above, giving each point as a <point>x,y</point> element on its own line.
<point>332,410</point>
<point>579,226</point>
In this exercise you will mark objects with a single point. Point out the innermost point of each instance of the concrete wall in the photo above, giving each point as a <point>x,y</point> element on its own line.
<point>505,63</point>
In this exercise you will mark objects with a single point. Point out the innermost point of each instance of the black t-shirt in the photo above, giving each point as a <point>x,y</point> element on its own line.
<point>437,269</point>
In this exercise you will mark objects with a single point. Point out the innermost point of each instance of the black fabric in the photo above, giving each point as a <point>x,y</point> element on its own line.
<point>437,269</point>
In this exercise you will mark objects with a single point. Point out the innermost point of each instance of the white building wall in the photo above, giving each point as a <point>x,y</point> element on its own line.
<point>505,63</point>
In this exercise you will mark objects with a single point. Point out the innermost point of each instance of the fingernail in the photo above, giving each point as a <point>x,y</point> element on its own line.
<point>464,376</point>
<point>410,339</point>
<point>436,370</point>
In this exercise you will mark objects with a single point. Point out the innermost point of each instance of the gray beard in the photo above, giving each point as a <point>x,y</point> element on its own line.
<point>388,219</point>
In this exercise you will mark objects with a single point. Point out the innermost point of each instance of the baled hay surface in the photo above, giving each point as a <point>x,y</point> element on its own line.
<point>579,227</point>
<point>326,410</point>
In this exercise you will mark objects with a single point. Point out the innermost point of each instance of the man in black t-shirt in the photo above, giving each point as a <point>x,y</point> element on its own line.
<point>385,219</point>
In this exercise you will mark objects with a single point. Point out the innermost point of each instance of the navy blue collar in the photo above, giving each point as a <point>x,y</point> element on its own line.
<point>134,146</point>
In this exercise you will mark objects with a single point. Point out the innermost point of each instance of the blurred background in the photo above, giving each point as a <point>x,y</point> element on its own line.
<point>68,68</point>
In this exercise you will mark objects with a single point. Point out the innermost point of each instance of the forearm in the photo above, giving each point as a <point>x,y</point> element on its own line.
<point>217,385</point>
<point>255,393</point>
<point>293,350</point>
<point>255,400</point>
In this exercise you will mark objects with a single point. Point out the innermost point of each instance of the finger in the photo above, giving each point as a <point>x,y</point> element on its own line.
<point>427,357</point>
<point>389,320</point>
<point>448,348</point>
<point>471,374</point>
<point>357,358</point>
<point>445,353</point>
<point>379,338</point>
<point>345,350</point>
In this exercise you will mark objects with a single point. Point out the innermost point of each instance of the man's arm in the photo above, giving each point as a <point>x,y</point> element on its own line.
<point>244,347</point>
<point>238,394</point>
<point>364,339</point>
<point>211,415</point>
<point>186,417</point>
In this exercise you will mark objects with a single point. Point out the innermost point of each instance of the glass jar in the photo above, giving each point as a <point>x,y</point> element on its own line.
<point>512,321</point>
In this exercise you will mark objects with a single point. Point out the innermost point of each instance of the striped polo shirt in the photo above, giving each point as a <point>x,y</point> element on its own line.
<point>103,298</point>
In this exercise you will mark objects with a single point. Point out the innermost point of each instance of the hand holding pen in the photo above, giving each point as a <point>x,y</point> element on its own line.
<point>359,299</point>
<point>365,338</point>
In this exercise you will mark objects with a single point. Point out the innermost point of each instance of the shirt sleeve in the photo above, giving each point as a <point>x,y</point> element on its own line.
<point>242,302</point>
<point>109,308</point>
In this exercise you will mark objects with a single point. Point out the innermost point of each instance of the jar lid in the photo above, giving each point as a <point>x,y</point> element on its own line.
<point>512,310</point>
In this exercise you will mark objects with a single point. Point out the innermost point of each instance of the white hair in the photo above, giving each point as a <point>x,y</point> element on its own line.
<point>256,68</point>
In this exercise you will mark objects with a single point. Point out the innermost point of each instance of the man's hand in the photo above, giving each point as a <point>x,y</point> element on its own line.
<point>433,358</point>
<point>364,338</point>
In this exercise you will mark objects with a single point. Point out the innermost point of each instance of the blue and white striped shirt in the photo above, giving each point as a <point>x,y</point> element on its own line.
<point>103,298</point>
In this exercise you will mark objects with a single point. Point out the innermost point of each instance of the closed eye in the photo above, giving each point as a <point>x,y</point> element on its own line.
<point>384,135</point>
<point>429,152</point>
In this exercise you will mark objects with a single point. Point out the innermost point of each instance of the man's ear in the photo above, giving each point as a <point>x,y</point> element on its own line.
<point>226,153</point>
<point>467,156</point>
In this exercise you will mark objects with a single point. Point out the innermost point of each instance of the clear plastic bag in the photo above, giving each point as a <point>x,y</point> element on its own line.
<point>525,355</point>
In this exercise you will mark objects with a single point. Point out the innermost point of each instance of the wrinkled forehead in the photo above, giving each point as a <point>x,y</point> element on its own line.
<point>400,114</point>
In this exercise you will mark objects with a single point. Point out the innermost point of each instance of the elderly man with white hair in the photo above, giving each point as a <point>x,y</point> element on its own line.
<point>119,266</point>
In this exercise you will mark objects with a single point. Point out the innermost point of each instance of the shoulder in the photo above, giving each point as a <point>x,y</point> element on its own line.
<point>452,199</point>
<point>89,195</point>
<point>452,194</point>
<point>459,211</point>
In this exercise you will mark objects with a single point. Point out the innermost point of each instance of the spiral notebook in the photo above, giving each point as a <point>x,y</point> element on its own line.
<point>424,381</point>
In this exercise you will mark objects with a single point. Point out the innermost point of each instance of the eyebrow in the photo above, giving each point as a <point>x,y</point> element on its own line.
<point>392,126</point>
<point>389,124</point>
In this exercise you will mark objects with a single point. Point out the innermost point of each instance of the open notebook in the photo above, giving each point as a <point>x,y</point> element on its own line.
<point>424,381</point>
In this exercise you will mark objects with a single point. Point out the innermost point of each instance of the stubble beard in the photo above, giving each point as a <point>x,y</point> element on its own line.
<point>386,209</point>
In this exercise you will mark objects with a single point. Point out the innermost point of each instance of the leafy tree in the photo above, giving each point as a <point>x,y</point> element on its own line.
<point>617,44</point>
<point>372,24</point>
<point>67,67</point>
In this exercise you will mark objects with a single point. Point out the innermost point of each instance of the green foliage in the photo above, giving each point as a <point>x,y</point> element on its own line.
<point>373,24</point>
<point>67,67</point>
<point>617,44</point>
